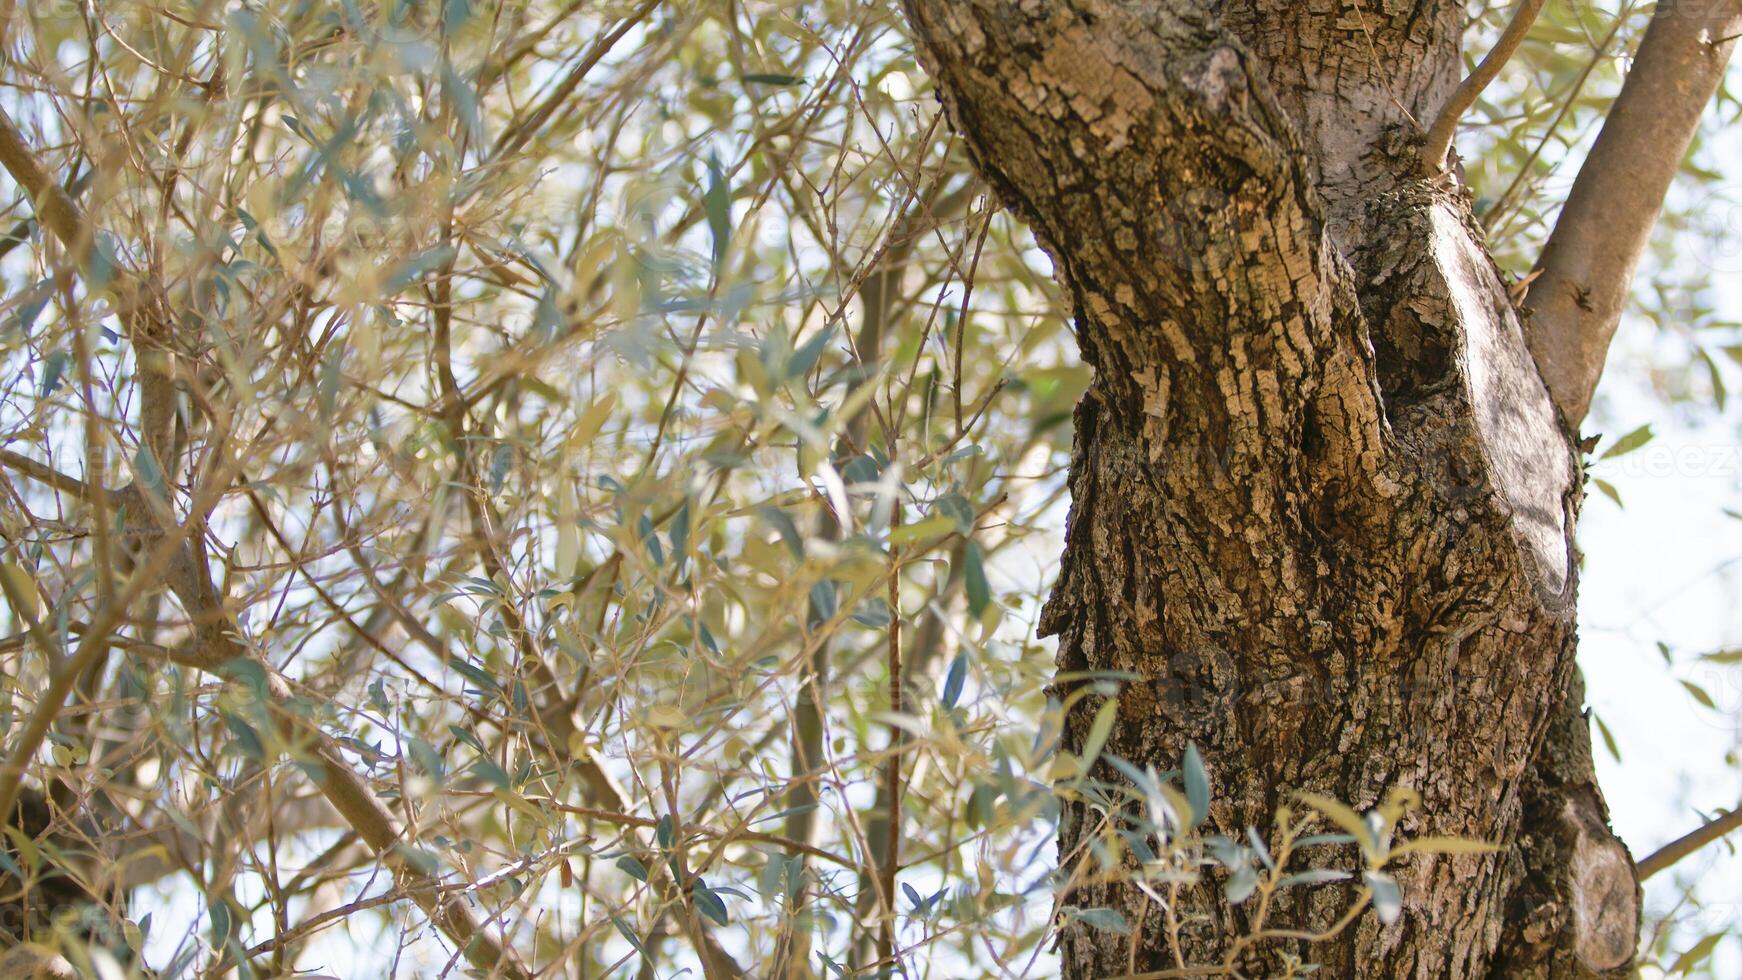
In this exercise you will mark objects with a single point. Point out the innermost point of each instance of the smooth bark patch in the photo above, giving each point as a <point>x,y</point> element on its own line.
<point>1521,437</point>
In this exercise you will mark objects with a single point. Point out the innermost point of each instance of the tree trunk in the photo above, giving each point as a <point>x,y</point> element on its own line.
<point>1322,502</point>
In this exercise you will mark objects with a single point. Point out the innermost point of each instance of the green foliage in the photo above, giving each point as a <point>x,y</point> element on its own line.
<point>611,364</point>
<point>637,442</point>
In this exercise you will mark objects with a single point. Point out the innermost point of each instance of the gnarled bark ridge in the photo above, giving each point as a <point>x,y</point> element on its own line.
<point>1323,502</point>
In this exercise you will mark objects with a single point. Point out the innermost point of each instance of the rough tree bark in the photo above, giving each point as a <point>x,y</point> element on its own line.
<point>1323,501</point>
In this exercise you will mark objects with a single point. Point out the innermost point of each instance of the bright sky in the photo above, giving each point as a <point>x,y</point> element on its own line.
<point>1667,567</point>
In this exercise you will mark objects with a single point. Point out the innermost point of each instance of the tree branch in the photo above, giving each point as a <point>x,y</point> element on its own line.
<point>21,229</point>
<point>214,641</point>
<point>55,479</point>
<point>93,644</point>
<point>1439,135</point>
<point>55,208</point>
<point>1667,855</point>
<point>1586,269</point>
<point>147,326</point>
<point>376,825</point>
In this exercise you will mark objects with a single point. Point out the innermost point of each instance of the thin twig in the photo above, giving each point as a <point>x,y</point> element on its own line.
<point>1439,135</point>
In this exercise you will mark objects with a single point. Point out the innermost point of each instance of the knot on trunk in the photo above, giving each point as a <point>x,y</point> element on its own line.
<point>1575,910</point>
<point>1605,899</point>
